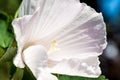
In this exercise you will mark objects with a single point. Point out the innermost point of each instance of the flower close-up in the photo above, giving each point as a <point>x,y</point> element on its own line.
<point>59,37</point>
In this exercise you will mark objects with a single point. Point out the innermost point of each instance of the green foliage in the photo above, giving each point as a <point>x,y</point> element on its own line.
<point>65,77</point>
<point>18,74</point>
<point>7,47</point>
<point>8,56</point>
<point>4,71</point>
<point>9,6</point>
<point>5,36</point>
<point>2,51</point>
<point>28,74</point>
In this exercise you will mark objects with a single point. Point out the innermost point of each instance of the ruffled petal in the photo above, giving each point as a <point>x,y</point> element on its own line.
<point>87,67</point>
<point>83,40</point>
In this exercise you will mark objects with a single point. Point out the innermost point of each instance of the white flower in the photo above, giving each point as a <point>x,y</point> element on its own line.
<point>59,36</point>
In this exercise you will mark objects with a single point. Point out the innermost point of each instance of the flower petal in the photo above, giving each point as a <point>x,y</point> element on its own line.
<point>30,28</point>
<point>28,7</point>
<point>35,58</point>
<point>84,37</point>
<point>18,30</point>
<point>87,67</point>
<point>46,76</point>
<point>75,31</point>
<point>33,27</point>
<point>56,11</point>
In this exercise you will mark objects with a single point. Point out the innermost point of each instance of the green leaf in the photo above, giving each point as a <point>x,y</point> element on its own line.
<point>28,74</point>
<point>13,70</point>
<point>18,74</point>
<point>9,6</point>
<point>8,56</point>
<point>65,77</point>
<point>5,36</point>
<point>2,51</point>
<point>4,71</point>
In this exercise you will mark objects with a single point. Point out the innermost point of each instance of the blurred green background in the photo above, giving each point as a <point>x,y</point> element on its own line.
<point>9,6</point>
<point>7,11</point>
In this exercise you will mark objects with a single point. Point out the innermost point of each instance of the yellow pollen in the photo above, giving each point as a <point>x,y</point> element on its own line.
<point>53,47</point>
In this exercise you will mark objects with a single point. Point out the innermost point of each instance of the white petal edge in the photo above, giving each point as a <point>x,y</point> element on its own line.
<point>88,67</point>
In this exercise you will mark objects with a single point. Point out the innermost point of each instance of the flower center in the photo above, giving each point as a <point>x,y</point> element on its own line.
<point>53,47</point>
